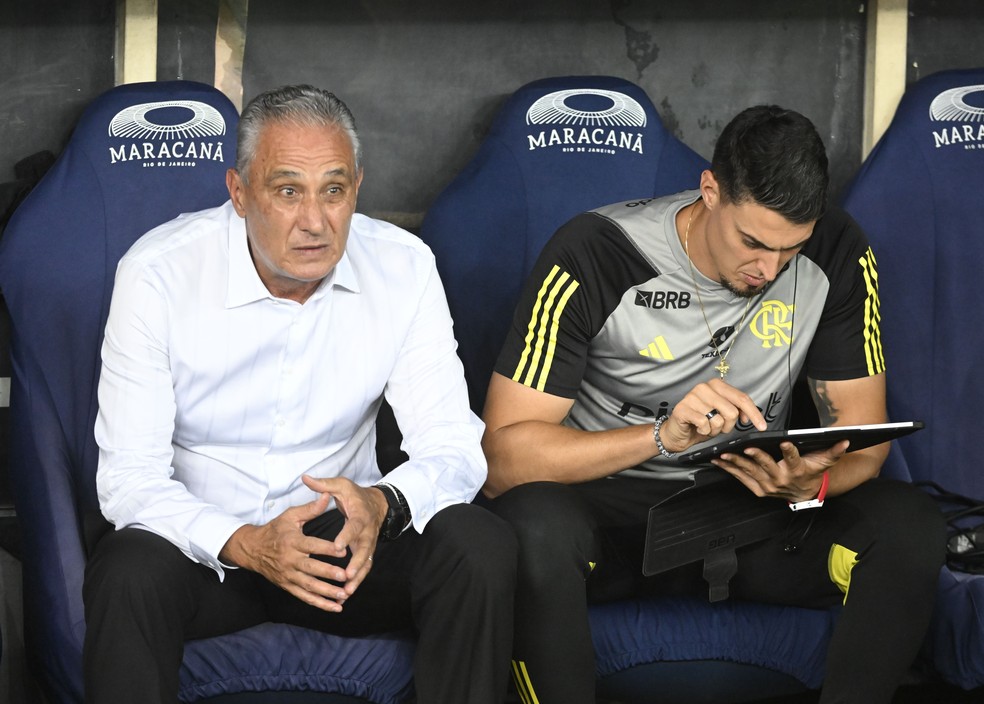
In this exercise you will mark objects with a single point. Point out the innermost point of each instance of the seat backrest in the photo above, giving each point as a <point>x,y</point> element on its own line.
<point>920,197</point>
<point>140,155</point>
<point>557,147</point>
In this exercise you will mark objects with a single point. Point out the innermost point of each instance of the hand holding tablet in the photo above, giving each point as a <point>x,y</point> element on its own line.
<point>805,439</point>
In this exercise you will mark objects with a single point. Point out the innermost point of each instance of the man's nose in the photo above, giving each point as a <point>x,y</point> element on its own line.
<point>770,264</point>
<point>309,215</point>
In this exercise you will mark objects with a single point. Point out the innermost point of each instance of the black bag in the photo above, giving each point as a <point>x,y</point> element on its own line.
<point>965,528</point>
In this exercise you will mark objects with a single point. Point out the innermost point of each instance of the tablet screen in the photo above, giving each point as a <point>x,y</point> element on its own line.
<point>805,439</point>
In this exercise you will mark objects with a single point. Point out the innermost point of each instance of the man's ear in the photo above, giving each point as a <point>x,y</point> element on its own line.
<point>710,192</point>
<point>358,183</point>
<point>234,183</point>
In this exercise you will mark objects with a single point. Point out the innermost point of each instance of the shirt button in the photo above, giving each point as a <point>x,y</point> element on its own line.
<point>281,422</point>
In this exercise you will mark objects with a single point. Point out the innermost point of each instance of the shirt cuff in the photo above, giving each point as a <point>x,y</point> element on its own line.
<point>209,537</point>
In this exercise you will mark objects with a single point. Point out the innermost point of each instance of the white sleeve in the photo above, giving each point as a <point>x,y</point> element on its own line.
<point>135,425</point>
<point>441,435</point>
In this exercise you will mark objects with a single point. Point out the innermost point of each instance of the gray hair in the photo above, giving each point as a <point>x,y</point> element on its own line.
<point>302,105</point>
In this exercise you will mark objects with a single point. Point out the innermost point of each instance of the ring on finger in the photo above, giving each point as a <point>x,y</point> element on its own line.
<point>711,413</point>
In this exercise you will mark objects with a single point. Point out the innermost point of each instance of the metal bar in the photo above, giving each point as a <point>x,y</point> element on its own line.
<point>885,59</point>
<point>136,41</point>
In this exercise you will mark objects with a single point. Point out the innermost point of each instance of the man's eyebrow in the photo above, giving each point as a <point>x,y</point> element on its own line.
<point>761,245</point>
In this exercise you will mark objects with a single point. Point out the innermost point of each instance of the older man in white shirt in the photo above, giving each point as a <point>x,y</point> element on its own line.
<point>246,355</point>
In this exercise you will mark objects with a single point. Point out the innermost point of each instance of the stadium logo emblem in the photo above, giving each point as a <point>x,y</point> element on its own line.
<point>205,121</point>
<point>553,108</point>
<point>183,143</point>
<point>587,120</point>
<point>951,106</point>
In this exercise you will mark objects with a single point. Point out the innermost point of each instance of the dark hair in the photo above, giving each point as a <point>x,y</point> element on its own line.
<point>774,157</point>
<point>301,104</point>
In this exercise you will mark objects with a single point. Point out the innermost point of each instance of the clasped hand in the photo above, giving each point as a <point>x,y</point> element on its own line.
<point>713,408</point>
<point>283,554</point>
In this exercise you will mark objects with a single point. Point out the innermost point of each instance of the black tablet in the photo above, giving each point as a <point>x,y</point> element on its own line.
<point>805,439</point>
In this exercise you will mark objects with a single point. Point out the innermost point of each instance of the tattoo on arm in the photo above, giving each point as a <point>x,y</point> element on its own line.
<point>821,399</point>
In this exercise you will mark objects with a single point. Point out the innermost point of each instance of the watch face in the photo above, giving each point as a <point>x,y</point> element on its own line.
<point>389,530</point>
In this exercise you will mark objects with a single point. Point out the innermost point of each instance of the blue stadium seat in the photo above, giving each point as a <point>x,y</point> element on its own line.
<point>918,195</point>
<point>140,155</point>
<point>557,147</point>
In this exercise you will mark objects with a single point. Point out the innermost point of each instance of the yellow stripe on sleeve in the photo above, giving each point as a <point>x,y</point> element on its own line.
<point>543,327</point>
<point>552,340</point>
<point>541,333</point>
<point>874,354</point>
<point>532,324</point>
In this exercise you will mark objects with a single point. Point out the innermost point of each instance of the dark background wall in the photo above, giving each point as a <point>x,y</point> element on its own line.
<point>55,56</point>
<point>186,40</point>
<point>944,34</point>
<point>424,78</point>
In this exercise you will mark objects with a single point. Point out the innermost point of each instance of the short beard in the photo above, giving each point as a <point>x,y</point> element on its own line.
<point>742,292</point>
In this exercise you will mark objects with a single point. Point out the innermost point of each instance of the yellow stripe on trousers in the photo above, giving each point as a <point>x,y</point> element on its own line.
<point>523,684</point>
<point>840,563</point>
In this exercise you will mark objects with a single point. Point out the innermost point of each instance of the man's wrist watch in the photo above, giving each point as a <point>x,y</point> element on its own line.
<point>397,514</point>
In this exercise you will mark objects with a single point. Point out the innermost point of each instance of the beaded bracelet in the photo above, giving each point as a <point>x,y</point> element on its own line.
<point>659,443</point>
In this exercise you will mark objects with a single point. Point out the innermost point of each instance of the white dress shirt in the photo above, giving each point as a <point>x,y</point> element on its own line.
<point>216,397</point>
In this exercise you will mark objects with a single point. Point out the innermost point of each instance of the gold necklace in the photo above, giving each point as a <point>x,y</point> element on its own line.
<point>723,367</point>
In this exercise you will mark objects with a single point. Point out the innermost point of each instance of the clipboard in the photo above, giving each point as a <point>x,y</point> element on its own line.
<point>706,523</point>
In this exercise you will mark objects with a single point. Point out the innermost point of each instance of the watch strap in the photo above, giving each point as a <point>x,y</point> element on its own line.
<point>398,515</point>
<point>813,503</point>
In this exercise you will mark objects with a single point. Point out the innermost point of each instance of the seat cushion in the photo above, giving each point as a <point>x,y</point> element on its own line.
<point>956,635</point>
<point>636,632</point>
<point>277,657</point>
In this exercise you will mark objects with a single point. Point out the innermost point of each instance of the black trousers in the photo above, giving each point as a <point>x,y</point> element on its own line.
<point>584,543</point>
<point>453,585</point>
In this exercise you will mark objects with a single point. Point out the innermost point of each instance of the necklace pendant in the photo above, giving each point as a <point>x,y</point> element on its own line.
<point>723,368</point>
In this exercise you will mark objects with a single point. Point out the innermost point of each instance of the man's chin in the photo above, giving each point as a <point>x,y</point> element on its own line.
<point>743,291</point>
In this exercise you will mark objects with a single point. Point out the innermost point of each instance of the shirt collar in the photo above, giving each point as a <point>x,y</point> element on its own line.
<point>245,285</point>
